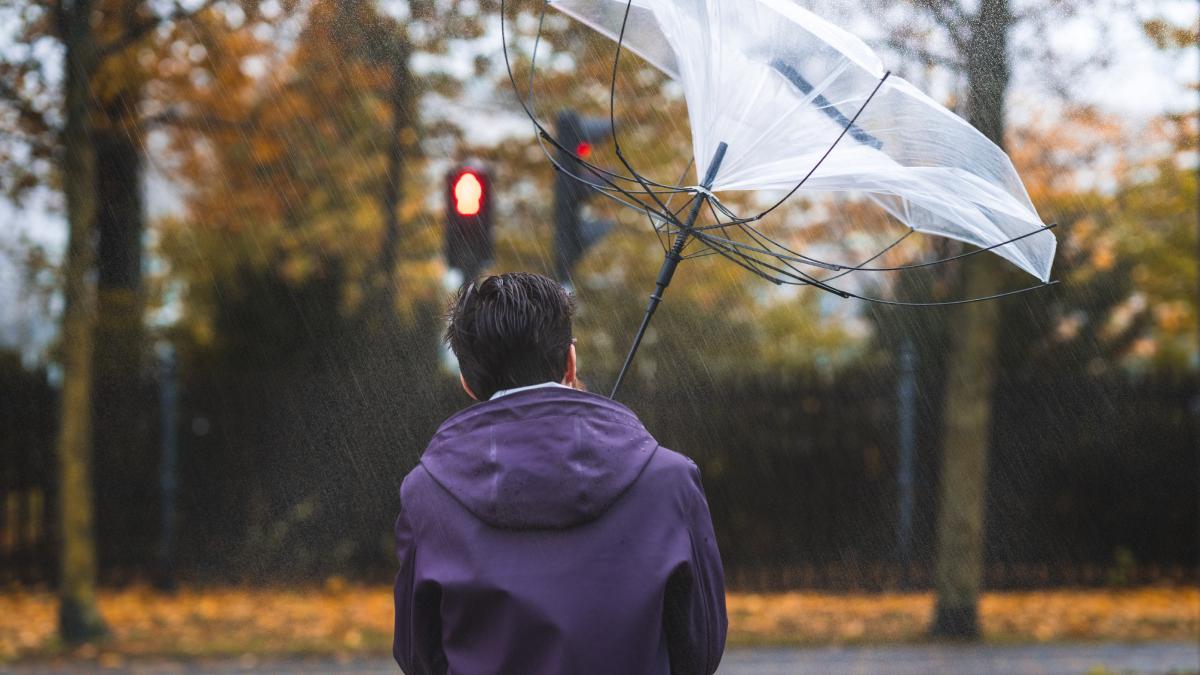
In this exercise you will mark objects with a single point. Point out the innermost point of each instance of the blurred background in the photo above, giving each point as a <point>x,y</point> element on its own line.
<point>228,232</point>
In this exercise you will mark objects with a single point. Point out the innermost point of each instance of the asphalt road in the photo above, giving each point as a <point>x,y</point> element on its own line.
<point>969,660</point>
<point>1056,659</point>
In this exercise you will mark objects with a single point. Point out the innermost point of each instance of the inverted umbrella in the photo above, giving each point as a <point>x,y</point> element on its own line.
<point>780,99</point>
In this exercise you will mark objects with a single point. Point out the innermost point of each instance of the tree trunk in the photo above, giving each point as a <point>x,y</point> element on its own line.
<point>971,369</point>
<point>127,471</point>
<point>79,619</point>
<point>401,140</point>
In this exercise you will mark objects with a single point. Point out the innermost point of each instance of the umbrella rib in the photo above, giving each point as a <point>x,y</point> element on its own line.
<point>950,303</point>
<point>828,151</point>
<point>898,303</point>
<point>670,199</point>
<point>679,183</point>
<point>755,235</point>
<point>612,113</point>
<point>953,258</point>
<point>803,278</point>
<point>815,261</point>
<point>794,257</point>
<point>542,133</point>
<point>746,262</point>
<point>859,267</point>
<point>835,267</point>
<point>800,277</point>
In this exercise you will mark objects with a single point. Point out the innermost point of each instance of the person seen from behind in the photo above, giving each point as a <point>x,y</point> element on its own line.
<point>545,531</point>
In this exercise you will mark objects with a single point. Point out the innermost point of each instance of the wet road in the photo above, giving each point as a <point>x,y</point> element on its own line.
<point>969,660</point>
<point>1058,659</point>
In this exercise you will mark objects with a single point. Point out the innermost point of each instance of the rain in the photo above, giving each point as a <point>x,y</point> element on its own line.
<point>923,312</point>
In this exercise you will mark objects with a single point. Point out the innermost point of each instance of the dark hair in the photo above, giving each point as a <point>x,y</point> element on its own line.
<point>510,330</point>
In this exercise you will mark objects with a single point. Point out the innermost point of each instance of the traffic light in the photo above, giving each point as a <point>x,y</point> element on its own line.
<point>468,219</point>
<point>574,234</point>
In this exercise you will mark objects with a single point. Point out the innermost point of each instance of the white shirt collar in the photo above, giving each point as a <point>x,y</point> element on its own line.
<point>506,392</point>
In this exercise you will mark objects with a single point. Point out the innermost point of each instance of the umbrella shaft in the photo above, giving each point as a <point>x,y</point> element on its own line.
<point>670,262</point>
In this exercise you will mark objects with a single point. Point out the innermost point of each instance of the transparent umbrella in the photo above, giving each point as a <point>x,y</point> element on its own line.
<point>779,99</point>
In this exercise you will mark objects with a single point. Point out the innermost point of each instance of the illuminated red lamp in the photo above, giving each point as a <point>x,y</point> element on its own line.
<point>468,194</point>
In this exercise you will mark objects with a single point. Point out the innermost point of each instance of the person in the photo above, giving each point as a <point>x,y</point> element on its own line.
<point>544,530</point>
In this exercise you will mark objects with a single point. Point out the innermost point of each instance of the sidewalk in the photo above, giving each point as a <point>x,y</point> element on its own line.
<point>1059,659</point>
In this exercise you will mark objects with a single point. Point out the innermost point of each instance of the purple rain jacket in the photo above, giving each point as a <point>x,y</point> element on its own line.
<point>547,533</point>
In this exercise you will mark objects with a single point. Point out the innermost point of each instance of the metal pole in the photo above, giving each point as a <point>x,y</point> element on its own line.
<point>169,401</point>
<point>906,397</point>
<point>670,262</point>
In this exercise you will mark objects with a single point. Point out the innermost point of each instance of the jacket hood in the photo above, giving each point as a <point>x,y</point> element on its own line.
<point>546,458</point>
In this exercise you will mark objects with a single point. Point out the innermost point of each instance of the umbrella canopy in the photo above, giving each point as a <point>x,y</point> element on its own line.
<point>780,87</point>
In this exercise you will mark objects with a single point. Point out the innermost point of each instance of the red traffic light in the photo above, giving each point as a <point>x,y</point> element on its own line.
<point>583,150</point>
<point>468,203</point>
<point>468,194</point>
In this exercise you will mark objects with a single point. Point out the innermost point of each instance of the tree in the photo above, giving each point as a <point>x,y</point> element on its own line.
<point>41,150</point>
<point>97,104</point>
<point>127,471</point>
<point>137,38</point>
<point>970,367</point>
<point>305,253</point>
<point>1174,191</point>
<point>79,620</point>
<point>978,42</point>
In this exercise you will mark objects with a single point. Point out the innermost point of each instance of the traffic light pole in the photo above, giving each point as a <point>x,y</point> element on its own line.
<point>671,261</point>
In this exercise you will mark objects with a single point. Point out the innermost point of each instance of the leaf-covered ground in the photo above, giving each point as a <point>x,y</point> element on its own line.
<point>341,620</point>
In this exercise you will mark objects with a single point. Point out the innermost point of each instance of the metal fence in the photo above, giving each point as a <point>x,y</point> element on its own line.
<point>27,413</point>
<point>292,474</point>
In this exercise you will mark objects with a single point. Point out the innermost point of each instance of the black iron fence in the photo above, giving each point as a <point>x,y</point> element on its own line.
<point>27,414</point>
<point>292,473</point>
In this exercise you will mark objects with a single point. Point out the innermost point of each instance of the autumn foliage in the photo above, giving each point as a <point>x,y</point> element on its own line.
<point>348,621</point>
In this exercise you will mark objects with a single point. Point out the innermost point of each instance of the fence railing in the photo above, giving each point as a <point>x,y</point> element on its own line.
<point>798,470</point>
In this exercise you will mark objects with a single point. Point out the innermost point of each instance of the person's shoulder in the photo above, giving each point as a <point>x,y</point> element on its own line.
<point>673,480</point>
<point>670,469</point>
<point>415,487</point>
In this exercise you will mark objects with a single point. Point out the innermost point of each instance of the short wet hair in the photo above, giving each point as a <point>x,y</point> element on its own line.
<point>510,330</point>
